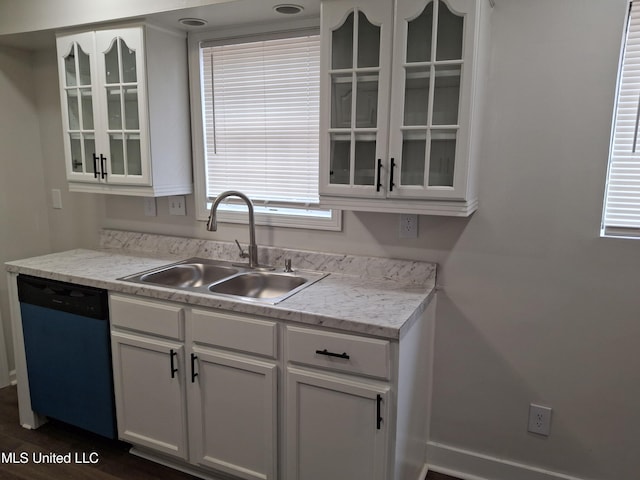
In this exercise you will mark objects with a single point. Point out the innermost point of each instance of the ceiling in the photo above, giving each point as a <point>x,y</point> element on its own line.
<point>219,15</point>
<point>238,12</point>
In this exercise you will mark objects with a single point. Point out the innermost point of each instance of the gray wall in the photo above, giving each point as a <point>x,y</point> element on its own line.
<point>24,222</point>
<point>31,163</point>
<point>534,306</point>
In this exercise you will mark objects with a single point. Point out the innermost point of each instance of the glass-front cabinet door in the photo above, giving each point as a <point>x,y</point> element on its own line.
<point>429,115</point>
<point>121,94</point>
<point>398,81</point>
<point>356,59</point>
<point>110,126</point>
<point>103,98</point>
<point>77,85</point>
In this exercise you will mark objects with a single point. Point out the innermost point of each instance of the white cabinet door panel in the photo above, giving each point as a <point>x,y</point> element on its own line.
<point>336,428</point>
<point>234,414</point>
<point>149,377</point>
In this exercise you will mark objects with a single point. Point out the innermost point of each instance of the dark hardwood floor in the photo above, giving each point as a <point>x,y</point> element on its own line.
<point>439,476</point>
<point>115,462</point>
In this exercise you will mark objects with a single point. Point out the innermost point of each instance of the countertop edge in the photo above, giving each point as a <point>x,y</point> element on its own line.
<point>279,311</point>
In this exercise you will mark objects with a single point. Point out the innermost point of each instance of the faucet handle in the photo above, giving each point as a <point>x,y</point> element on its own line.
<point>243,254</point>
<point>287,265</point>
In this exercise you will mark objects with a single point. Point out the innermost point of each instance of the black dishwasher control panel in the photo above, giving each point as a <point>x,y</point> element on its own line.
<point>67,297</point>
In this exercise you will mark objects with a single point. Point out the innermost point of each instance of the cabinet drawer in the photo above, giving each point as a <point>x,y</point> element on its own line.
<point>153,317</point>
<point>337,351</point>
<point>235,332</point>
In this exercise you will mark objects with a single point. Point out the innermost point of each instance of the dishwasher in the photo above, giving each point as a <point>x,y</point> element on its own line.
<point>68,353</point>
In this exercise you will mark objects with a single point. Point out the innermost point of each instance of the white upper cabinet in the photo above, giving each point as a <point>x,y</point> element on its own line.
<point>125,117</point>
<point>402,82</point>
<point>355,84</point>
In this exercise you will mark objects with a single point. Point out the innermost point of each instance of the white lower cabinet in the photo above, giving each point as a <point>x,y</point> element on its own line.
<point>357,406</point>
<point>203,388</point>
<point>337,405</point>
<point>206,395</point>
<point>150,395</point>
<point>336,427</point>
<point>233,393</point>
<point>233,413</point>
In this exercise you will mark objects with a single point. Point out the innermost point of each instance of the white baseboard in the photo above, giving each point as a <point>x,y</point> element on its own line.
<point>12,377</point>
<point>469,465</point>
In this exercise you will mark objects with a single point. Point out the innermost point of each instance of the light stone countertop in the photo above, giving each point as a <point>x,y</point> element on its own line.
<point>367,295</point>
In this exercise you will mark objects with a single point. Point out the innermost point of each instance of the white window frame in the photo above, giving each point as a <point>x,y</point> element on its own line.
<point>272,215</point>
<point>622,190</point>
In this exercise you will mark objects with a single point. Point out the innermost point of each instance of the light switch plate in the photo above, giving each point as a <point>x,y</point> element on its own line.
<point>150,207</point>
<point>56,199</point>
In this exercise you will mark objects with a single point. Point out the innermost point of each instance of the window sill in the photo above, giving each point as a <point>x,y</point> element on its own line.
<point>620,232</point>
<point>280,217</point>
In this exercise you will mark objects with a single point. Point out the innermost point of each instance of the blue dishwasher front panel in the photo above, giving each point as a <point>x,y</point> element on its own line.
<point>69,368</point>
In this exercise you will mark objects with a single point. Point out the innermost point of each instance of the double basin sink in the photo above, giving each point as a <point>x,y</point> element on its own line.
<point>228,279</point>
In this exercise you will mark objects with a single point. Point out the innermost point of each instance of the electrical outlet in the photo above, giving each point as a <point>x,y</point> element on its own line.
<point>176,205</point>
<point>408,226</point>
<point>539,419</point>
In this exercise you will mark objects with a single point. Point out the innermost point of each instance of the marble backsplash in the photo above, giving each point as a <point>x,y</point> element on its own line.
<point>405,271</point>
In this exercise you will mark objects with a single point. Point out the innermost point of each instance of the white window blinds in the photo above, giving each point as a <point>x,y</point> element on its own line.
<point>621,216</point>
<point>261,107</point>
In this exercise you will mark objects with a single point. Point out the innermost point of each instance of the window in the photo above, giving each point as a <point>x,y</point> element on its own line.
<point>621,213</point>
<point>259,127</point>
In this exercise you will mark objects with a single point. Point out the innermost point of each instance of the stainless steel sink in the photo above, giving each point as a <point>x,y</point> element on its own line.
<point>227,279</point>
<point>261,285</point>
<point>189,275</point>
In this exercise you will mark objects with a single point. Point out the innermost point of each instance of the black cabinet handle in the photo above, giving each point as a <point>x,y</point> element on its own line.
<point>378,183</point>
<point>173,355</point>
<point>103,166</point>
<point>378,411</point>
<point>393,166</point>
<point>95,166</point>
<point>194,357</point>
<point>332,354</point>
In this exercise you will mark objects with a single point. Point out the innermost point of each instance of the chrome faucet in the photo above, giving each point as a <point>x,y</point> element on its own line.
<point>212,224</point>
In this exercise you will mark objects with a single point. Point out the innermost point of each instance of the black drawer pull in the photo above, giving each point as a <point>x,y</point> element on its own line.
<point>331,354</point>
<point>378,411</point>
